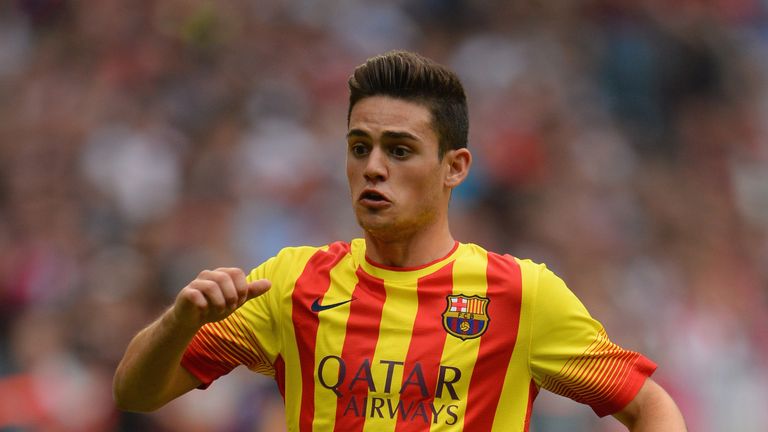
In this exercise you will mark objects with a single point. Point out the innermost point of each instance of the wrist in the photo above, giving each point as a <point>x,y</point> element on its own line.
<point>175,322</point>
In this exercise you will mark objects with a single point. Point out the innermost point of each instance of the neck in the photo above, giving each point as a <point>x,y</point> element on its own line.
<point>412,251</point>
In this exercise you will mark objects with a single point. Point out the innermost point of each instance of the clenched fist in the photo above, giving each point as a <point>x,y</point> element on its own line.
<point>214,295</point>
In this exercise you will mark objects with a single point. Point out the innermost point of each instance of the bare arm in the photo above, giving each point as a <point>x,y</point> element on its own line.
<point>150,373</point>
<point>652,409</point>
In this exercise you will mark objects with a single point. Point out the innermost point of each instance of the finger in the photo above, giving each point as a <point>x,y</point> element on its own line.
<point>190,304</point>
<point>212,292</point>
<point>194,298</point>
<point>257,288</point>
<point>226,286</point>
<point>190,307</point>
<point>239,280</point>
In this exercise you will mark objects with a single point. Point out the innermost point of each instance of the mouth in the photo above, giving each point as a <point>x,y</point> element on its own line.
<point>373,199</point>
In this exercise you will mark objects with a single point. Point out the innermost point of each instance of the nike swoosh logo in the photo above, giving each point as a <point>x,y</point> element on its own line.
<point>317,307</point>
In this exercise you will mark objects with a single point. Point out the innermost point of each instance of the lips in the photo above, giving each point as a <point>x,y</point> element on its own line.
<point>373,198</point>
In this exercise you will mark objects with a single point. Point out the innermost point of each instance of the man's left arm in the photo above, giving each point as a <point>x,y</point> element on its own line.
<point>652,409</point>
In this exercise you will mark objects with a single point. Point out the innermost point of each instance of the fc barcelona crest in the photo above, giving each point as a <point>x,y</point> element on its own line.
<point>466,317</point>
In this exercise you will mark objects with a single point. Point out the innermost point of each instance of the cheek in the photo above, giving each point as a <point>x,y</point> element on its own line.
<point>425,189</point>
<point>350,173</point>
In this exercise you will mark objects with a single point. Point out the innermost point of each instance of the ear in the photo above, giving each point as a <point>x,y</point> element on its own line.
<point>457,166</point>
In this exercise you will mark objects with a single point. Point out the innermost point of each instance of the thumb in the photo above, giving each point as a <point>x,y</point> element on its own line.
<point>257,288</point>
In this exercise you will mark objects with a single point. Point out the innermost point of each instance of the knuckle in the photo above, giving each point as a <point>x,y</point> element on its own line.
<point>220,276</point>
<point>234,273</point>
<point>216,275</point>
<point>202,284</point>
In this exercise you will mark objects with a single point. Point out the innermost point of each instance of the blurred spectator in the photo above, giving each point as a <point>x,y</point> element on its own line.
<point>622,142</point>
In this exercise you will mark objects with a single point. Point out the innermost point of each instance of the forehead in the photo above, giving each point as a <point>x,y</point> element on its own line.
<point>376,114</point>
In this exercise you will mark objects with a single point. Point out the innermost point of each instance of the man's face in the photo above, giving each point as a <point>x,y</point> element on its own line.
<point>394,173</point>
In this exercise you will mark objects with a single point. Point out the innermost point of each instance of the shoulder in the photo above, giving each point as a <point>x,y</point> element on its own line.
<point>293,252</point>
<point>285,267</point>
<point>529,269</point>
<point>535,269</point>
<point>299,256</point>
<point>536,278</point>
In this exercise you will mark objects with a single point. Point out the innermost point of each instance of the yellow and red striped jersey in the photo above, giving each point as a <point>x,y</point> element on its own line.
<point>462,343</point>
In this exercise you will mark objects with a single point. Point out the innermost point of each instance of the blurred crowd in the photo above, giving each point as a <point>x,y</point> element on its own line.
<point>624,143</point>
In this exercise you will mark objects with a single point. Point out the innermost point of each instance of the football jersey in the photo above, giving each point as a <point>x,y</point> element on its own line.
<point>462,343</point>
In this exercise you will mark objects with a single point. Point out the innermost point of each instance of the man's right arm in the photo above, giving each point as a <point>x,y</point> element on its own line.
<point>150,373</point>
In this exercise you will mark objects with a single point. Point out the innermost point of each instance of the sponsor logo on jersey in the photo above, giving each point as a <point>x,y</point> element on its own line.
<point>317,307</point>
<point>466,317</point>
<point>392,389</point>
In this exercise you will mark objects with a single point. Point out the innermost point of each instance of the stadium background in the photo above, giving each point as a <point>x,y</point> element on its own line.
<point>625,143</point>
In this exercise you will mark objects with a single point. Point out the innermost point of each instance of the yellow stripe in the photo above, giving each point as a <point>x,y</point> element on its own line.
<point>513,403</point>
<point>280,299</point>
<point>331,332</point>
<point>468,279</point>
<point>397,318</point>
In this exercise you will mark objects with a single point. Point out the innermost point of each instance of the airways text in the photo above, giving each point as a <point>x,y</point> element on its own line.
<point>363,393</point>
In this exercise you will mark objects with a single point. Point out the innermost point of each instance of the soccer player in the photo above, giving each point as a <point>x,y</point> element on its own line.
<point>405,329</point>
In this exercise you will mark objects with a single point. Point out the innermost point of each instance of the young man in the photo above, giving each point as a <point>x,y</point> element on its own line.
<point>406,328</point>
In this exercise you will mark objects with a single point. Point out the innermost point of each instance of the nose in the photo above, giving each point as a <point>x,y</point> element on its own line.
<point>376,168</point>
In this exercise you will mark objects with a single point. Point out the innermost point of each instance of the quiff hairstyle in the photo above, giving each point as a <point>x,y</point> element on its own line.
<point>412,77</point>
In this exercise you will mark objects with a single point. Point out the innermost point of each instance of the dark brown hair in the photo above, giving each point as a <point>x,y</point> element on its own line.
<point>412,77</point>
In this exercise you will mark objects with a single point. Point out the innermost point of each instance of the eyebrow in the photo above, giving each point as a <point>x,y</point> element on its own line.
<point>357,133</point>
<point>385,134</point>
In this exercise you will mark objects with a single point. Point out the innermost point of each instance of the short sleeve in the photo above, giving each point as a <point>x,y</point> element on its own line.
<point>246,337</point>
<point>572,356</point>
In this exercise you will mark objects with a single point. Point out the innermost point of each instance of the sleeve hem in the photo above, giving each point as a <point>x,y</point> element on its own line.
<point>199,371</point>
<point>643,369</point>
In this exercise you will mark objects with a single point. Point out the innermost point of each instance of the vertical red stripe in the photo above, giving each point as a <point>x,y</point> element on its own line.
<point>533,391</point>
<point>498,342</point>
<point>313,283</point>
<point>425,349</point>
<point>362,334</point>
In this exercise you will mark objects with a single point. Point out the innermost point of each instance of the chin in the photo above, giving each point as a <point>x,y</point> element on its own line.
<point>377,226</point>
<point>374,224</point>
<point>386,230</point>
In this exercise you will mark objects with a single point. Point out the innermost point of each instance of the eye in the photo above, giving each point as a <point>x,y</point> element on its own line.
<point>400,152</point>
<point>358,149</point>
